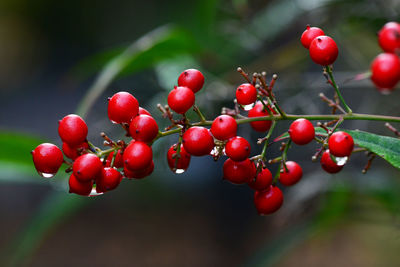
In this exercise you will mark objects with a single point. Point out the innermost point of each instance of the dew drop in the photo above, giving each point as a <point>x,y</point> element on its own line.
<point>248,107</point>
<point>94,193</point>
<point>385,91</point>
<point>46,175</point>
<point>340,161</point>
<point>214,151</point>
<point>179,171</point>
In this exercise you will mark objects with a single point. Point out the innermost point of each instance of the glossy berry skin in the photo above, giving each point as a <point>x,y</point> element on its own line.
<point>78,187</point>
<point>309,35</point>
<point>239,172</point>
<point>340,144</point>
<point>139,174</point>
<point>143,111</point>
<point>389,37</point>
<point>192,79</point>
<point>47,158</point>
<point>72,130</point>
<point>87,167</point>
<point>246,94</point>
<point>301,132</point>
<point>268,201</point>
<point>198,141</point>
<point>73,152</point>
<point>118,162</point>
<point>137,156</point>
<point>182,163</point>
<point>108,179</point>
<point>224,127</point>
<point>385,69</point>
<point>237,148</point>
<point>262,181</point>
<point>122,107</point>
<point>258,111</point>
<point>181,99</point>
<point>323,50</point>
<point>292,176</point>
<point>143,128</point>
<point>328,164</point>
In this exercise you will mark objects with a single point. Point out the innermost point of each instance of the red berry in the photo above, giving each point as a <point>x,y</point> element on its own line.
<point>268,201</point>
<point>139,174</point>
<point>237,148</point>
<point>224,127</point>
<point>385,70</point>
<point>118,162</point>
<point>309,35</point>
<point>323,50</point>
<point>292,175</point>
<point>143,111</point>
<point>246,94</point>
<point>87,167</point>
<point>122,107</point>
<point>191,78</point>
<point>137,156</point>
<point>259,111</point>
<point>75,151</point>
<point>198,141</point>
<point>239,172</point>
<point>78,187</point>
<point>108,180</point>
<point>340,144</point>
<point>181,99</point>
<point>47,158</point>
<point>262,181</point>
<point>301,131</point>
<point>143,128</point>
<point>182,163</point>
<point>389,37</point>
<point>72,130</point>
<point>328,164</point>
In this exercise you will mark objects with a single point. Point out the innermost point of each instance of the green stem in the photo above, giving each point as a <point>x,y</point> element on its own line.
<point>264,150</point>
<point>199,113</point>
<point>334,85</point>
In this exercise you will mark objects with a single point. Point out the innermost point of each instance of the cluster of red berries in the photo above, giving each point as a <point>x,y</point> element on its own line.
<point>385,68</point>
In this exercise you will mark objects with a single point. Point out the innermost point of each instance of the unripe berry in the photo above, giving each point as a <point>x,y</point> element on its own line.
<point>139,174</point>
<point>122,107</point>
<point>309,35</point>
<point>72,130</point>
<point>341,144</point>
<point>262,181</point>
<point>237,148</point>
<point>47,158</point>
<point>87,167</point>
<point>385,70</point>
<point>143,128</point>
<point>118,161</point>
<point>246,94</point>
<point>198,141</point>
<point>259,111</point>
<point>108,180</point>
<point>328,164</point>
<point>182,163</point>
<point>137,156</point>
<point>301,131</point>
<point>192,79</point>
<point>181,99</point>
<point>78,187</point>
<point>224,127</point>
<point>239,172</point>
<point>323,50</point>
<point>268,201</point>
<point>389,37</point>
<point>292,175</point>
<point>75,151</point>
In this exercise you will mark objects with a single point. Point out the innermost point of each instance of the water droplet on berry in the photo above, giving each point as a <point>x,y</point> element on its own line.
<point>247,107</point>
<point>385,91</point>
<point>94,193</point>
<point>340,161</point>
<point>46,175</point>
<point>179,171</point>
<point>214,151</point>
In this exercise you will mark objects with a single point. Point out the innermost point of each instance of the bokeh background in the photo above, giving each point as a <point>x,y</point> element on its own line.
<point>62,57</point>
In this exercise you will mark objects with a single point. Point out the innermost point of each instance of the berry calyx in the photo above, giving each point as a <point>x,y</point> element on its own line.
<point>301,131</point>
<point>259,111</point>
<point>86,167</point>
<point>323,50</point>
<point>268,201</point>
<point>47,159</point>
<point>143,128</point>
<point>385,69</point>
<point>178,165</point>
<point>72,130</point>
<point>75,151</point>
<point>122,107</point>
<point>292,175</point>
<point>137,156</point>
<point>237,148</point>
<point>198,141</point>
<point>108,180</point>
<point>192,79</point>
<point>341,144</point>
<point>181,99</point>
<point>139,174</point>
<point>389,37</point>
<point>309,35</point>
<point>79,187</point>
<point>246,94</point>
<point>262,181</point>
<point>239,172</point>
<point>328,164</point>
<point>224,127</point>
<point>118,161</point>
